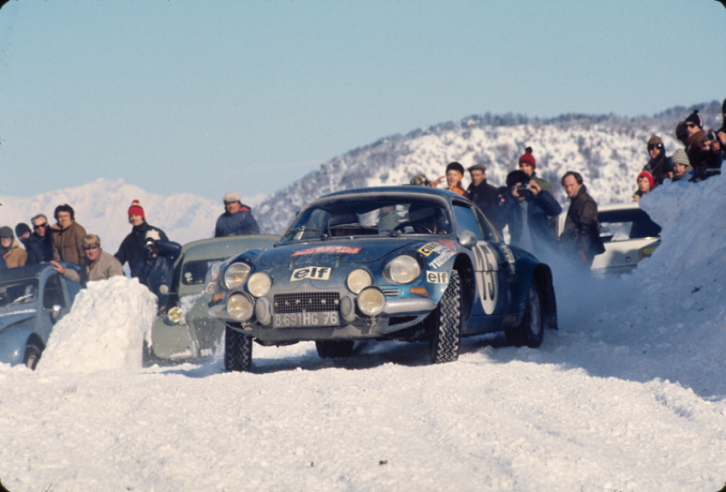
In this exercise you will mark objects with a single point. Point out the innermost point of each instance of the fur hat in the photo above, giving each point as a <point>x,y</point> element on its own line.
<point>456,167</point>
<point>21,229</point>
<point>695,118</point>
<point>528,158</point>
<point>517,177</point>
<point>419,180</point>
<point>647,175</point>
<point>136,209</point>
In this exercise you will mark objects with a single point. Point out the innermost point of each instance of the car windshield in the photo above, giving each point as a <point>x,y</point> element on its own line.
<point>193,272</point>
<point>18,292</point>
<point>382,216</point>
<point>622,225</point>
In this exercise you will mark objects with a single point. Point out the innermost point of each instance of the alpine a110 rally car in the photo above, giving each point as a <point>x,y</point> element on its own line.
<point>407,263</point>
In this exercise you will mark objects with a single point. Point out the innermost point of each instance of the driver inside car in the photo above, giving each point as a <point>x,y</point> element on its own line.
<point>343,224</point>
<point>426,219</point>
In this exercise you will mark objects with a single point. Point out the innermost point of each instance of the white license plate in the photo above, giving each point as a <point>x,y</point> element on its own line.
<point>293,320</point>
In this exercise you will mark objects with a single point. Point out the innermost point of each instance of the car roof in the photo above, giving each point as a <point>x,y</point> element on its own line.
<point>224,247</point>
<point>408,189</point>
<point>29,271</point>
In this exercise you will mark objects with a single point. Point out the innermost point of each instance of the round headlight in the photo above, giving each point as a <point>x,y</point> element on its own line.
<point>175,314</point>
<point>259,284</point>
<point>359,280</point>
<point>371,301</point>
<point>402,269</point>
<point>236,275</point>
<point>240,307</point>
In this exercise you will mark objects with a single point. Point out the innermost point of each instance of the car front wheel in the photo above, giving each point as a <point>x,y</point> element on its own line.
<point>237,350</point>
<point>531,331</point>
<point>445,329</point>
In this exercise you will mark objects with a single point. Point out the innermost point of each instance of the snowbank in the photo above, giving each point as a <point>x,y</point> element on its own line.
<point>104,330</point>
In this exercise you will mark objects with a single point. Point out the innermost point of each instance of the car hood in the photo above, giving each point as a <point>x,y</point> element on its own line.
<point>14,317</point>
<point>326,253</point>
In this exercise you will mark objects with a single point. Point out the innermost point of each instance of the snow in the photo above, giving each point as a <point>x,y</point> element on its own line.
<point>628,395</point>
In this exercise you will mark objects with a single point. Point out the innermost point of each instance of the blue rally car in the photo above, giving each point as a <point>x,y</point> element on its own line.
<point>406,262</point>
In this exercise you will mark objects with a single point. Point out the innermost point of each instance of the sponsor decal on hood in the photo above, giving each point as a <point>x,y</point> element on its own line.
<point>331,250</point>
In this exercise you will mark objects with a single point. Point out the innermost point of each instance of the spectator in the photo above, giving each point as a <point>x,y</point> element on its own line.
<point>420,180</point>
<point>681,166</point>
<point>42,236</point>
<point>132,247</point>
<point>525,209</point>
<point>237,219</point>
<point>528,164</point>
<point>157,270</point>
<point>645,184</point>
<point>581,234</point>
<point>721,132</point>
<point>67,236</point>
<point>97,264</point>
<point>453,177</point>
<point>657,166</point>
<point>10,249</point>
<point>681,133</point>
<point>35,254</point>
<point>484,194</point>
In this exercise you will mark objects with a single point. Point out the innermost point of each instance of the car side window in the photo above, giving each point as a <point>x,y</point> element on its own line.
<point>489,232</point>
<point>53,293</point>
<point>467,220</point>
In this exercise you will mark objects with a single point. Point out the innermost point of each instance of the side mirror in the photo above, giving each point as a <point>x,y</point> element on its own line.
<point>55,312</point>
<point>467,239</point>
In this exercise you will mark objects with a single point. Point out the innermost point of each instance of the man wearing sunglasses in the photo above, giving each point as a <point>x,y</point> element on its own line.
<point>657,166</point>
<point>97,264</point>
<point>41,237</point>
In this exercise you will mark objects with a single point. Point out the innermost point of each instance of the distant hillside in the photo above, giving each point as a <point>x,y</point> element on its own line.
<point>608,150</point>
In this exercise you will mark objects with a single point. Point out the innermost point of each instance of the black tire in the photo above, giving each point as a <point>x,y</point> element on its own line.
<point>237,351</point>
<point>445,330</point>
<point>33,351</point>
<point>531,331</point>
<point>329,349</point>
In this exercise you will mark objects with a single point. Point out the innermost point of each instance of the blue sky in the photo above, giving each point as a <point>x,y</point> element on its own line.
<point>206,97</point>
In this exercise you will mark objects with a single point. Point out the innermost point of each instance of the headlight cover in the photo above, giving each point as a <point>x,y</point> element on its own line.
<point>240,307</point>
<point>358,280</point>
<point>235,275</point>
<point>402,270</point>
<point>259,284</point>
<point>371,301</point>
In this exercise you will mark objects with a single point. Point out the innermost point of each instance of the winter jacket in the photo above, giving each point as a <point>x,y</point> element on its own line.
<point>132,247</point>
<point>240,224</point>
<point>15,256</point>
<point>658,168</point>
<point>485,197</point>
<point>538,207</point>
<point>158,271</point>
<point>543,184</point>
<point>582,229</point>
<point>34,247</point>
<point>67,243</point>
<point>105,267</point>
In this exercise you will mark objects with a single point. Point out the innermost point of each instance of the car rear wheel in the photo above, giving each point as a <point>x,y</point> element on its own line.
<point>531,331</point>
<point>237,350</point>
<point>445,329</point>
<point>328,349</point>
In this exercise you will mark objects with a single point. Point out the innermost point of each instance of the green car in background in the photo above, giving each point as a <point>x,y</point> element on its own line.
<point>187,333</point>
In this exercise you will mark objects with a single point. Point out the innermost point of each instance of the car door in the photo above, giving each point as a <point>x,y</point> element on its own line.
<point>53,295</point>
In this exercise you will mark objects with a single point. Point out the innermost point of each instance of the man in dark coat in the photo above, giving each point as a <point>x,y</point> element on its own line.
<point>237,219</point>
<point>581,234</point>
<point>525,209</point>
<point>484,195</point>
<point>657,166</point>
<point>41,236</point>
<point>132,248</point>
<point>32,245</point>
<point>157,269</point>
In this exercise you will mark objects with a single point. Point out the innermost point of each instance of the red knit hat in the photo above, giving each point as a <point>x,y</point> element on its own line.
<point>135,209</point>
<point>528,158</point>
<point>648,176</point>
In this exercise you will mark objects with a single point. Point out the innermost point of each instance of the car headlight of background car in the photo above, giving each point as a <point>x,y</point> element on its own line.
<point>259,284</point>
<point>402,270</point>
<point>358,280</point>
<point>235,275</point>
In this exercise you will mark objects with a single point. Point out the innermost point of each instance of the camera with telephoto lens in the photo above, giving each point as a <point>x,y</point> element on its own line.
<point>524,187</point>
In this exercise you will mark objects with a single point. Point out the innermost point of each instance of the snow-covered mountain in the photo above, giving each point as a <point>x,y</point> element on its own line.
<point>607,150</point>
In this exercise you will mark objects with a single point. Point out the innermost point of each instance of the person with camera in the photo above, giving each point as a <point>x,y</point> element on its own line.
<point>156,268</point>
<point>132,247</point>
<point>525,208</point>
<point>581,235</point>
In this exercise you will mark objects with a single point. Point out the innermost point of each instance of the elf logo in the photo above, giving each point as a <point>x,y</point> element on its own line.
<point>312,273</point>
